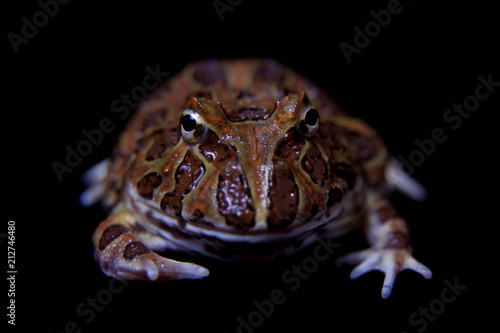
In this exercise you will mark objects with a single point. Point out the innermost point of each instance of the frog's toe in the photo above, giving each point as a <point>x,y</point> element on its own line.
<point>152,267</point>
<point>122,254</point>
<point>388,261</point>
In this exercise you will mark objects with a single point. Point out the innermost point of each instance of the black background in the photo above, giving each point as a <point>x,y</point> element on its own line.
<point>425,60</point>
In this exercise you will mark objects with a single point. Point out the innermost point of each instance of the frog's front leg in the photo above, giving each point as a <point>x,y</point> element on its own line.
<point>390,251</point>
<point>121,252</point>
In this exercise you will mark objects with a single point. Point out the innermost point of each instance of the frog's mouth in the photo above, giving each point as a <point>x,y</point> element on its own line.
<point>205,239</point>
<point>181,230</point>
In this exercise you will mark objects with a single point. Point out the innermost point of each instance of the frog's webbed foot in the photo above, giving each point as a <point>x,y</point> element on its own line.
<point>390,250</point>
<point>387,260</point>
<point>122,255</point>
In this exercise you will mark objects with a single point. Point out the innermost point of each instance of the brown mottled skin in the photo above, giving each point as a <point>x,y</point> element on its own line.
<point>243,160</point>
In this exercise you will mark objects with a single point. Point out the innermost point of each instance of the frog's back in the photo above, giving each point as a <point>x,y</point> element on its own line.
<point>248,89</point>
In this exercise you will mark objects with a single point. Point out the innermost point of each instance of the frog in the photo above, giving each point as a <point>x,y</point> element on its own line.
<point>246,160</point>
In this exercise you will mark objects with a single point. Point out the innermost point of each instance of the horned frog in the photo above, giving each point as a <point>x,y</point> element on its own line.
<point>245,160</point>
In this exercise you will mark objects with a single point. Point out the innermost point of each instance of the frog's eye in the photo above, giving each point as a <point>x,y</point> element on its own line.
<point>308,122</point>
<point>193,126</point>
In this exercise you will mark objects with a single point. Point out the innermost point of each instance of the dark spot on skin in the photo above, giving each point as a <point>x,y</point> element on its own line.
<point>314,165</point>
<point>198,214</point>
<point>314,202</point>
<point>198,218</point>
<point>162,139</point>
<point>333,135</point>
<point>147,184</point>
<point>154,117</point>
<point>344,170</point>
<point>202,223</point>
<point>384,213</point>
<point>200,94</point>
<point>288,151</point>
<point>214,150</point>
<point>367,146</point>
<point>270,71</point>
<point>289,147</point>
<point>209,73</point>
<point>303,127</point>
<point>249,113</point>
<point>248,109</point>
<point>172,204</point>
<point>186,177</point>
<point>307,165</point>
<point>334,197</point>
<point>339,138</point>
<point>134,249</point>
<point>398,240</point>
<point>245,92</point>
<point>233,199</point>
<point>111,232</point>
<point>283,197</point>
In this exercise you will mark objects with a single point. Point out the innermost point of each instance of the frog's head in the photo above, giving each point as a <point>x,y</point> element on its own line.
<point>248,164</point>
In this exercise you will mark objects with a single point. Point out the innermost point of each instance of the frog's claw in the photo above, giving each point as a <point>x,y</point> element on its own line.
<point>388,261</point>
<point>149,267</point>
<point>122,254</point>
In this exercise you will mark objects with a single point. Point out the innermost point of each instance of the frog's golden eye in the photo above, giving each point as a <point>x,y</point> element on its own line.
<point>193,126</point>
<point>308,122</point>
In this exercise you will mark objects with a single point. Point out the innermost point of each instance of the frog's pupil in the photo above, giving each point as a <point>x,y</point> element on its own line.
<point>312,117</point>
<point>188,123</point>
